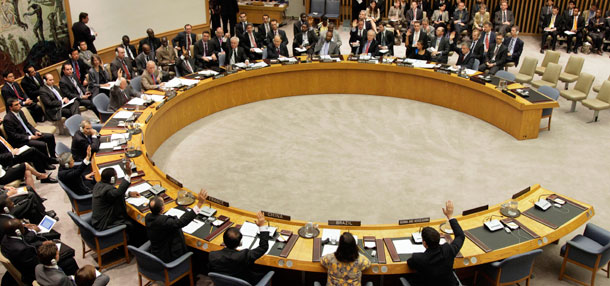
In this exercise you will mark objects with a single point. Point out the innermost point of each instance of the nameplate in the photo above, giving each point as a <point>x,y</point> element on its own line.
<point>345,222</point>
<point>171,96</point>
<point>413,220</point>
<point>176,182</point>
<point>219,76</point>
<point>142,140</point>
<point>218,201</point>
<point>289,63</point>
<point>521,193</point>
<point>160,105</point>
<point>149,159</point>
<point>442,71</point>
<point>276,215</point>
<point>475,210</point>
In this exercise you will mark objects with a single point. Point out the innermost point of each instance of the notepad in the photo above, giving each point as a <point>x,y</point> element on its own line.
<point>137,201</point>
<point>249,229</point>
<point>119,136</point>
<point>123,114</point>
<point>23,149</point>
<point>68,103</point>
<point>329,248</point>
<point>246,241</point>
<point>404,246</point>
<point>119,170</point>
<point>208,72</point>
<point>175,212</point>
<point>331,234</point>
<point>193,226</point>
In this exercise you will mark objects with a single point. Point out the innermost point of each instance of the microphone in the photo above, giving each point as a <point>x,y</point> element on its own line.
<point>157,189</point>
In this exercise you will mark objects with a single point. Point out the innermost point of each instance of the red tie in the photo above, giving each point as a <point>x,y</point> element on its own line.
<point>487,41</point>
<point>153,78</point>
<point>126,70</point>
<point>366,50</point>
<point>252,40</point>
<point>16,93</point>
<point>77,71</point>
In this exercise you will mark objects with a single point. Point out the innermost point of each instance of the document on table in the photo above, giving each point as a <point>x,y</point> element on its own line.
<point>119,170</point>
<point>137,201</point>
<point>249,229</point>
<point>258,50</point>
<point>193,226</point>
<point>68,103</point>
<point>107,85</point>
<point>208,72</point>
<point>140,188</point>
<point>331,234</point>
<point>257,241</point>
<point>328,248</point>
<point>156,97</point>
<point>107,145</point>
<point>175,212</point>
<point>136,101</point>
<point>404,246</point>
<point>123,114</point>
<point>246,241</point>
<point>119,136</point>
<point>300,50</point>
<point>370,244</point>
<point>285,59</point>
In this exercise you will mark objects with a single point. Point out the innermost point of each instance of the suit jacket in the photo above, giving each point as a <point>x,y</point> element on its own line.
<point>517,50</point>
<point>492,38</point>
<point>545,10</point>
<point>444,16</point>
<point>118,98</point>
<point>68,88</point>
<point>461,15</point>
<point>239,57</point>
<point>333,48</point>
<point>240,28</point>
<point>467,62</point>
<point>80,142</point>
<point>108,205</point>
<point>443,49</point>
<point>96,79</point>
<point>355,37</point>
<point>51,103</point>
<point>165,55</point>
<point>373,47</point>
<point>116,64</point>
<point>422,36</point>
<point>165,234</point>
<point>296,27</point>
<point>282,35</point>
<point>22,256</point>
<point>180,40</point>
<point>8,93</point>
<point>238,263</point>
<point>389,39</point>
<point>246,43</point>
<point>312,39</point>
<point>569,22</point>
<point>566,17</point>
<point>478,51</point>
<point>199,52</point>
<point>73,178</point>
<point>558,21</point>
<point>261,33</point>
<point>154,44</point>
<point>141,61</point>
<point>478,22</point>
<point>437,4</point>
<point>509,18</point>
<point>31,88</point>
<point>130,48</point>
<point>272,52</point>
<point>221,46</point>
<point>228,7</point>
<point>183,67</point>
<point>501,56</point>
<point>83,68</point>
<point>435,265</point>
<point>82,33</point>
<point>410,16</point>
<point>15,132</point>
<point>147,80</point>
<point>51,276</point>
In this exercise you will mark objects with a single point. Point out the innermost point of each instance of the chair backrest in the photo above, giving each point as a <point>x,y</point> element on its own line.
<point>550,57</point>
<point>333,7</point>
<point>28,117</point>
<point>84,225</point>
<point>584,83</point>
<point>221,59</point>
<point>226,280</point>
<point>552,72</point>
<point>505,75</point>
<point>265,53</point>
<point>549,91</point>
<point>61,148</point>
<point>476,64</point>
<point>518,267</point>
<point>101,102</point>
<point>80,204</point>
<point>317,6</point>
<point>107,68</point>
<point>604,92</point>
<point>529,66</point>
<point>73,123</point>
<point>136,83</point>
<point>148,264</point>
<point>574,65</point>
<point>11,269</point>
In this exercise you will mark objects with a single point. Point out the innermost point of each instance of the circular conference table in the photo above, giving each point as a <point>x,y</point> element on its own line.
<point>516,116</point>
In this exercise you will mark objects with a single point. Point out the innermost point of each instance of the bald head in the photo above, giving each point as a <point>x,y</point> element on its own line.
<point>277,41</point>
<point>150,67</point>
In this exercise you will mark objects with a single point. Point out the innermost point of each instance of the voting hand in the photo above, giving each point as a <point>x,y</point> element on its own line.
<point>260,219</point>
<point>448,209</point>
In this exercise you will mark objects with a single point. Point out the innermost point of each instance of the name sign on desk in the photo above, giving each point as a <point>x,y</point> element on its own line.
<point>160,105</point>
<point>176,182</point>
<point>345,222</point>
<point>521,193</point>
<point>218,201</point>
<point>276,215</point>
<point>413,220</point>
<point>148,118</point>
<point>219,76</point>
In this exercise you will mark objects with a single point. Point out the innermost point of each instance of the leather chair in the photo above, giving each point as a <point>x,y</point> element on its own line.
<point>550,76</point>
<point>572,70</point>
<point>548,112</point>
<point>505,75</point>
<point>317,8</point>
<point>42,128</point>
<point>549,57</point>
<point>153,269</point>
<point>333,10</point>
<point>136,83</point>
<point>73,123</point>
<point>596,88</point>
<point>591,250</point>
<point>226,280</point>
<point>527,70</point>
<point>101,242</point>
<point>81,204</point>
<point>101,102</point>
<point>580,91</point>
<point>601,102</point>
<point>512,270</point>
<point>59,124</point>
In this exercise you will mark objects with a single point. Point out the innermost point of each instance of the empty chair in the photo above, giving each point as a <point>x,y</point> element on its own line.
<point>101,242</point>
<point>601,102</point>
<point>333,10</point>
<point>42,128</point>
<point>509,65</point>
<point>136,83</point>
<point>550,76</point>
<point>527,70</point>
<point>598,87</point>
<point>580,91</point>
<point>591,250</point>
<point>73,123</point>
<point>549,57</point>
<point>511,270</point>
<point>553,93</point>
<point>81,204</point>
<point>505,75</point>
<point>154,269</point>
<point>61,148</point>
<point>226,280</point>
<point>101,102</point>
<point>404,281</point>
<point>572,70</point>
<point>476,64</point>
<point>317,8</point>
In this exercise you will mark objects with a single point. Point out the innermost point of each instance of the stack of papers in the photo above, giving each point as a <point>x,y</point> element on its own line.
<point>174,212</point>
<point>249,232</point>
<point>405,246</point>
<point>119,170</point>
<point>364,57</point>
<point>327,57</point>
<point>119,136</point>
<point>193,226</point>
<point>208,73</point>
<point>139,201</point>
<point>136,101</point>
<point>292,60</point>
<point>140,188</point>
<point>178,82</point>
<point>123,114</point>
<point>156,97</point>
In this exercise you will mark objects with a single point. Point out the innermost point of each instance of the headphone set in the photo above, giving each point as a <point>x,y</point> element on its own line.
<point>113,180</point>
<point>53,261</point>
<point>6,210</point>
<point>18,232</point>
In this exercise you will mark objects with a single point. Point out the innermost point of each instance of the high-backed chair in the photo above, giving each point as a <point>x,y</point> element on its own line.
<point>59,124</point>
<point>512,270</point>
<point>154,269</point>
<point>591,251</point>
<point>404,281</point>
<point>226,280</point>
<point>42,128</point>
<point>476,64</point>
<point>527,70</point>
<point>73,123</point>
<point>550,76</point>
<point>136,83</point>
<point>101,242</point>
<point>580,91</point>
<point>333,10</point>
<point>596,88</point>
<point>572,70</point>
<point>11,269</point>
<point>505,75</point>
<point>601,102</point>
<point>317,8</point>
<point>61,148</point>
<point>549,57</point>
<point>81,204</point>
<point>553,93</point>
<point>101,102</point>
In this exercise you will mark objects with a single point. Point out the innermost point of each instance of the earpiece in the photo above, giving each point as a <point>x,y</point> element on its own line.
<point>66,165</point>
<point>81,129</point>
<point>6,210</point>
<point>53,261</point>
<point>113,180</point>
<point>18,232</point>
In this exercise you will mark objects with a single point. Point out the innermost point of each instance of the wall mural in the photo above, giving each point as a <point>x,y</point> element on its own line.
<point>32,31</point>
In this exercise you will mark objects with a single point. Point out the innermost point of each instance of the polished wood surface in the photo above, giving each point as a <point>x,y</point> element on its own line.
<point>211,96</point>
<point>255,12</point>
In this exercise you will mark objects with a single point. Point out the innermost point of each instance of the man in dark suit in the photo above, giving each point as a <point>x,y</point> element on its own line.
<point>551,27</point>
<point>235,53</point>
<point>547,9</point>
<point>79,67</point>
<point>228,10</point>
<point>22,206</point>
<point>369,46</point>
<point>275,31</point>
<point>277,49</point>
<point>204,55</point>
<point>413,36</point>
<point>238,263</point>
<point>477,47</point>
<point>413,14</point>
<point>31,82</point>
<point>71,88</point>
<point>121,93</point>
<point>186,65</point>
<point>305,39</point>
<point>153,42</point>
<point>86,137</point>
<point>123,63</point>
<point>82,32</point>
<point>241,27</point>
<point>79,178</point>
<point>465,58</point>
<point>356,35</point>
<point>440,43</point>
<point>11,89</point>
<point>263,29</point>
<point>460,19</point>
<point>20,132</point>
<point>296,27</point>
<point>53,100</point>
<point>435,265</point>
<point>488,36</point>
<point>10,156</point>
<point>221,42</point>
<point>385,39</point>
<point>568,13</point>
<point>496,56</point>
<point>504,19</point>
<point>143,58</point>
<point>183,41</point>
<point>165,232</point>
<point>250,43</point>
<point>514,46</point>
<point>327,46</point>
<point>573,27</point>
<point>130,50</point>
<point>47,272</point>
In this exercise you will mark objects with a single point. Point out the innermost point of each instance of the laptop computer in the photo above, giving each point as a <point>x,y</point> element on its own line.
<point>46,224</point>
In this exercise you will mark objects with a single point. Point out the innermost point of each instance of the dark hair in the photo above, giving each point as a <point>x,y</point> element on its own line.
<point>10,101</point>
<point>430,236</point>
<point>107,174</point>
<point>82,16</point>
<point>74,50</point>
<point>303,14</point>
<point>187,25</point>
<point>348,249</point>
<point>156,205</point>
<point>46,76</point>
<point>97,58</point>
<point>324,18</point>
<point>12,225</point>
<point>63,67</point>
<point>85,276</point>
<point>26,67</point>
<point>205,32</point>
<point>232,238</point>
<point>46,253</point>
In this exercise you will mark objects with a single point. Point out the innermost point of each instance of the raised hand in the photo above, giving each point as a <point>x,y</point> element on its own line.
<point>448,209</point>
<point>260,219</point>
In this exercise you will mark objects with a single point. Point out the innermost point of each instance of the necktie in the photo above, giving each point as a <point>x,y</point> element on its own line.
<point>267,28</point>
<point>129,54</point>
<point>438,41</point>
<point>23,124</point>
<point>153,78</point>
<point>366,49</point>
<point>415,14</point>
<point>487,41</point>
<point>552,24</point>
<point>472,45</point>
<point>126,70</point>
<point>495,52</point>
<point>15,90</point>
<point>76,69</point>
<point>575,25</point>
<point>511,46</point>
<point>80,92</point>
<point>56,93</point>
<point>188,41</point>
<point>278,51</point>
<point>252,40</point>
<point>275,32</point>
<point>36,81</point>
<point>325,48</point>
<point>383,39</point>
<point>205,49</point>
<point>232,61</point>
<point>415,39</point>
<point>188,65</point>
<point>503,16</point>
<point>146,58</point>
